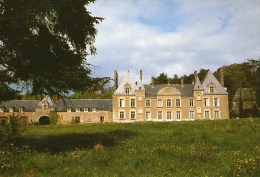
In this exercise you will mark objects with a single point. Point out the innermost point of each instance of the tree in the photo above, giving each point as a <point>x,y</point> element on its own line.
<point>161,79</point>
<point>44,45</point>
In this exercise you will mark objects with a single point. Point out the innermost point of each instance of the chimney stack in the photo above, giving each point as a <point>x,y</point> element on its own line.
<point>182,82</point>
<point>221,72</point>
<point>115,79</point>
<point>152,82</point>
<point>195,76</point>
<point>141,75</point>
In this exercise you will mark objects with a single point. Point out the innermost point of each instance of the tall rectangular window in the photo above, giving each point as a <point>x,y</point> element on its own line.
<point>132,102</point>
<point>178,102</point>
<point>191,101</point>
<point>206,102</point>
<point>216,102</point>
<point>216,114</point>
<point>159,115</point>
<point>160,103</point>
<point>132,114</point>
<point>121,115</point>
<point>178,115</point>
<point>206,114</point>
<point>169,115</point>
<point>148,115</point>
<point>191,115</point>
<point>121,103</point>
<point>147,103</point>
<point>169,103</point>
<point>211,89</point>
<point>127,90</point>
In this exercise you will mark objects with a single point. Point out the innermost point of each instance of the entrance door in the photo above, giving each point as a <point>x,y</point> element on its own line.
<point>102,119</point>
<point>44,120</point>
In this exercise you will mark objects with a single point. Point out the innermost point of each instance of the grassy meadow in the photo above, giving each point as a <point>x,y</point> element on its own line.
<point>199,148</point>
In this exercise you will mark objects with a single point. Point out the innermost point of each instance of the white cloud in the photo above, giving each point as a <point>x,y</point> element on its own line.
<point>205,34</point>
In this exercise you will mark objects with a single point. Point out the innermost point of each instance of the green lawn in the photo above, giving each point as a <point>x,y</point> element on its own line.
<point>199,148</point>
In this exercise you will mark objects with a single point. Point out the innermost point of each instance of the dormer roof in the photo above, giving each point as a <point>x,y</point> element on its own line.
<point>198,85</point>
<point>210,79</point>
<point>126,81</point>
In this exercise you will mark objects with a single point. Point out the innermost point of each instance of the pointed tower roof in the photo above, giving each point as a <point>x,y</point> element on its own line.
<point>140,85</point>
<point>126,81</point>
<point>197,85</point>
<point>210,79</point>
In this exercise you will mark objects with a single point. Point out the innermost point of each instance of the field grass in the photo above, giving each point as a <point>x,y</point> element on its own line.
<point>199,148</point>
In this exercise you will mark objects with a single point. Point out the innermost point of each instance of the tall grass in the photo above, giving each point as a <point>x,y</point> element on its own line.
<point>199,148</point>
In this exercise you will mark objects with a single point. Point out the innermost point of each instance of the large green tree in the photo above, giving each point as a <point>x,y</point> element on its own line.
<point>44,46</point>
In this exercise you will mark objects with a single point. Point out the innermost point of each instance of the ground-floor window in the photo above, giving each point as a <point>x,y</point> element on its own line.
<point>169,115</point>
<point>132,114</point>
<point>77,120</point>
<point>216,114</point>
<point>178,115</point>
<point>191,115</point>
<point>148,115</point>
<point>102,119</point>
<point>206,114</point>
<point>121,115</point>
<point>159,115</point>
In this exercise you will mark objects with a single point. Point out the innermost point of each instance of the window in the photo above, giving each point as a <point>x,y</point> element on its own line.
<point>11,109</point>
<point>20,109</point>
<point>216,102</point>
<point>159,115</point>
<point>178,102</point>
<point>216,114</point>
<point>206,102</point>
<point>121,103</point>
<point>45,107</point>
<point>159,103</point>
<point>169,115</point>
<point>132,102</point>
<point>1,109</point>
<point>148,115</point>
<point>191,115</point>
<point>132,114</point>
<point>147,103</point>
<point>178,115</point>
<point>85,109</point>
<point>77,120</point>
<point>127,90</point>
<point>68,109</point>
<point>191,101</point>
<point>211,89</point>
<point>206,114</point>
<point>77,109</point>
<point>169,103</point>
<point>94,109</point>
<point>121,115</point>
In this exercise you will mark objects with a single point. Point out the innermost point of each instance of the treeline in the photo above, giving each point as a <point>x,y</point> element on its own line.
<point>238,75</point>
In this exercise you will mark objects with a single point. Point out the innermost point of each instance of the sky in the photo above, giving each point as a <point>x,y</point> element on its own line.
<point>173,36</point>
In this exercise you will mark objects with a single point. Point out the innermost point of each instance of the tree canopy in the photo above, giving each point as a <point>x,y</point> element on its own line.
<point>44,46</point>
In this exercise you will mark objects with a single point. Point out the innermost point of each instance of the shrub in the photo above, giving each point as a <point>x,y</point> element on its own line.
<point>54,117</point>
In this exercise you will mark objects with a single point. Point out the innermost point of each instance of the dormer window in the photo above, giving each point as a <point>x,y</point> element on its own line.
<point>77,109</point>
<point>11,109</point>
<point>68,109</point>
<point>45,107</point>
<point>21,109</point>
<point>1,109</point>
<point>211,89</point>
<point>127,89</point>
<point>94,109</point>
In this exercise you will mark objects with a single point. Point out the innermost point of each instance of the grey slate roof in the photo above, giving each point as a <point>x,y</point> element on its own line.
<point>186,90</point>
<point>210,78</point>
<point>99,104</point>
<point>197,85</point>
<point>28,105</point>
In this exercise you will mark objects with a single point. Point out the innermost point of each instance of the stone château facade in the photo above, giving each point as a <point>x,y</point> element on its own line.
<point>131,102</point>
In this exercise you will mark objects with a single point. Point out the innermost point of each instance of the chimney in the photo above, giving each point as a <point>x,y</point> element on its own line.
<point>115,79</point>
<point>182,82</point>
<point>195,76</point>
<point>141,75</point>
<point>152,82</point>
<point>55,98</point>
<point>221,73</point>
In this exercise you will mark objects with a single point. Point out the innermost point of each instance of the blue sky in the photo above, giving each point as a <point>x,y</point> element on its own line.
<point>173,36</point>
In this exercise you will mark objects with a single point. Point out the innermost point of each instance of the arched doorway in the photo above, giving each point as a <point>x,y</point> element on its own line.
<point>44,120</point>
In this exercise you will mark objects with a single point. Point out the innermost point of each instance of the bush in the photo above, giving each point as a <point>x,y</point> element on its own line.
<point>54,117</point>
